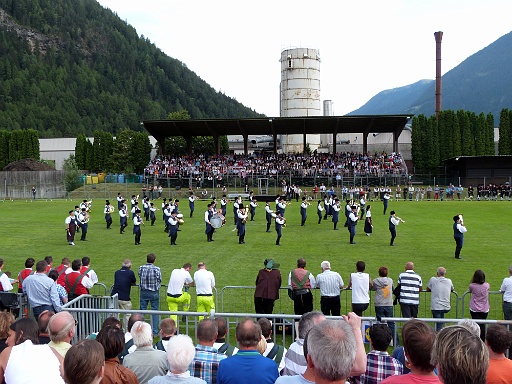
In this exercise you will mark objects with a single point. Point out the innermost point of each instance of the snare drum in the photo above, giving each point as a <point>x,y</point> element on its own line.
<point>216,221</point>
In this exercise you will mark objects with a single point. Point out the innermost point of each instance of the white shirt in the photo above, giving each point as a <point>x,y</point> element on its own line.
<point>6,283</point>
<point>122,213</point>
<point>320,207</point>
<point>205,281</point>
<point>137,220</point>
<point>179,277</point>
<point>329,283</point>
<point>360,287</point>
<point>92,275</point>
<point>506,288</point>
<point>268,209</point>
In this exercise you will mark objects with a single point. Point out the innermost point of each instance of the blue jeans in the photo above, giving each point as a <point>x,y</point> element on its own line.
<point>507,310</point>
<point>439,314</point>
<point>152,297</point>
<point>36,311</point>
<point>381,312</point>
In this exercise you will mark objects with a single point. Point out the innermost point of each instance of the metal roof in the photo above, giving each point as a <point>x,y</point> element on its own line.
<point>274,126</point>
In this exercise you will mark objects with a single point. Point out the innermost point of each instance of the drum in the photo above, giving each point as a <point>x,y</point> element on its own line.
<point>216,221</point>
<point>179,216</point>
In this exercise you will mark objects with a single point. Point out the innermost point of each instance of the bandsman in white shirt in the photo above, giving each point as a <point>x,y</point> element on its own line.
<point>205,283</point>
<point>177,289</point>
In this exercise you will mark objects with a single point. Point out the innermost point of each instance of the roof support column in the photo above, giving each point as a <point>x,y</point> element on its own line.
<point>188,139</point>
<point>395,142</point>
<point>246,145</point>
<point>216,144</point>
<point>365,142</point>
<point>334,142</point>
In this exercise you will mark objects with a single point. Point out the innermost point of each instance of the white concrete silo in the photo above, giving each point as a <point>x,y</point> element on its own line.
<point>300,92</point>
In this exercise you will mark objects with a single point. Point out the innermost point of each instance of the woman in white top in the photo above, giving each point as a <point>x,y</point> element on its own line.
<point>368,224</point>
<point>24,361</point>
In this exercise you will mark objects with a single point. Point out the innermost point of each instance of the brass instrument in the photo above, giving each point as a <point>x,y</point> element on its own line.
<point>461,219</point>
<point>246,209</point>
<point>179,217</point>
<point>399,219</point>
<point>86,218</point>
<point>88,206</point>
<point>284,224</point>
<point>110,209</point>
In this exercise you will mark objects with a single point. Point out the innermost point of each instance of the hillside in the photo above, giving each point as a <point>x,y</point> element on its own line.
<point>481,83</point>
<point>72,66</point>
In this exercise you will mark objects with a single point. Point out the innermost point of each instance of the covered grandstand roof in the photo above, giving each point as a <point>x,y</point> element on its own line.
<point>161,129</point>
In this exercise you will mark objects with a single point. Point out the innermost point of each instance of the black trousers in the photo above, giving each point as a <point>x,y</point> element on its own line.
<point>262,305</point>
<point>393,235</point>
<point>358,309</point>
<point>409,310</point>
<point>330,305</point>
<point>303,303</point>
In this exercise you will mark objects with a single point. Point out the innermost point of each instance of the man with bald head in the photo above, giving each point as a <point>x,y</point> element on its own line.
<point>247,366</point>
<point>61,328</point>
<point>441,288</point>
<point>410,287</point>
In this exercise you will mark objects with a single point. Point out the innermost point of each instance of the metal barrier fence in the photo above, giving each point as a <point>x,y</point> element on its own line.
<point>16,303</point>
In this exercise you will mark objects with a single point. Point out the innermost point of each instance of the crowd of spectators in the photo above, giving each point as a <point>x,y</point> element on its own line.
<point>299,165</point>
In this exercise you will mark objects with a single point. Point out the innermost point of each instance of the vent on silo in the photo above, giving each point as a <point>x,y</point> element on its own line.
<point>290,64</point>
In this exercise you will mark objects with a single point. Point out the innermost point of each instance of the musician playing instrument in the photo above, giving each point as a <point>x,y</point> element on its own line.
<point>145,206</point>
<point>303,213</point>
<point>152,215</point>
<point>268,215</point>
<point>352,219</point>
<point>173,227</point>
<point>109,208</point>
<point>319,210</point>
<point>458,234</point>
<point>191,202</point>
<point>123,217</point>
<point>240,225</point>
<point>336,208</point>
<point>394,220</point>
<point>70,227</point>
<point>281,205</point>
<point>236,206</point>
<point>327,206</point>
<point>134,209</point>
<point>223,204</point>
<point>167,214</point>
<point>252,206</point>
<point>137,222</point>
<point>83,219</point>
<point>120,201</point>
<point>280,221</point>
<point>209,228</point>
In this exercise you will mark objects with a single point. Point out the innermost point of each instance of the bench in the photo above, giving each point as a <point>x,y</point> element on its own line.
<point>235,195</point>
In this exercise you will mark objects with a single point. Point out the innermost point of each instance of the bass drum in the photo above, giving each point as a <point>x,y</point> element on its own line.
<point>216,221</point>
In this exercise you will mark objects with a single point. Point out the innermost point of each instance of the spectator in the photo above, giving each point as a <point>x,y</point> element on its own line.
<point>379,364</point>
<point>5,283</point>
<point>441,288</point>
<point>112,340</point>
<point>180,354</point>
<point>506,289</point>
<point>42,322</point>
<point>294,360</point>
<point>247,366</point>
<point>6,319</point>
<point>41,291</point>
<point>145,361</point>
<point>62,329</point>
<point>29,264</point>
<point>77,283</point>
<point>61,291</point>
<point>460,356</point>
<point>498,339</point>
<point>418,339</point>
<point>150,278</point>
<point>479,302</point>
<point>222,343</point>
<point>410,288</point>
<point>330,283</point>
<point>22,347</point>
<point>167,330</point>
<point>85,363</point>
<point>207,358</point>
<point>383,300</point>
<point>129,346</point>
<point>124,279</point>
<point>268,283</point>
<point>360,283</point>
<point>273,351</point>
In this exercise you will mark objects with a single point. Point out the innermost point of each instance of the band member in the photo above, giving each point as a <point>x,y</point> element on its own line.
<point>393,222</point>
<point>268,215</point>
<point>83,218</point>
<point>352,222</point>
<point>134,209</point>
<point>242,218</point>
<point>173,227</point>
<point>319,210</point>
<point>336,208</point>
<point>83,204</point>
<point>385,199</point>
<point>191,202</point>
<point>137,221</point>
<point>164,203</point>
<point>108,211</point>
<point>152,215</point>
<point>362,204</point>
<point>303,214</point>
<point>145,205</point>
<point>223,204</point>
<point>167,214</point>
<point>458,234</point>
<point>70,228</point>
<point>76,212</point>
<point>236,206</point>
<point>133,201</point>
<point>281,206</point>
<point>327,206</point>
<point>279,227</point>
<point>252,206</point>
<point>119,201</point>
<point>123,217</point>
<point>368,224</point>
<point>209,229</point>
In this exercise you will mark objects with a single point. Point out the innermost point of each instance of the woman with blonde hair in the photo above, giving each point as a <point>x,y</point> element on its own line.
<point>6,319</point>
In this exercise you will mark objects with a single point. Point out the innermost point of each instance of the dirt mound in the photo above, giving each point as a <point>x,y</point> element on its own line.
<point>27,165</point>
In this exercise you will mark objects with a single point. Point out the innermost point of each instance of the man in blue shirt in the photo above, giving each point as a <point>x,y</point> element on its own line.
<point>123,281</point>
<point>41,291</point>
<point>150,278</point>
<point>248,366</point>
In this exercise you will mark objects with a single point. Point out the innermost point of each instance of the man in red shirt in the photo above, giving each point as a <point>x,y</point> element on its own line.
<point>77,283</point>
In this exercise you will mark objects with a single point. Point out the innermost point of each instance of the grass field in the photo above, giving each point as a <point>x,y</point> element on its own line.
<point>36,229</point>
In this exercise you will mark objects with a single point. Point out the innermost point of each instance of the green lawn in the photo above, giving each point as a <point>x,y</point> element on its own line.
<point>36,229</point>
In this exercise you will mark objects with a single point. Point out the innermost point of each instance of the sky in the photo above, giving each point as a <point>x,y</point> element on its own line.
<point>365,46</point>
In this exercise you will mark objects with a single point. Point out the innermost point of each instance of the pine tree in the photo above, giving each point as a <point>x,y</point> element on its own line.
<point>504,145</point>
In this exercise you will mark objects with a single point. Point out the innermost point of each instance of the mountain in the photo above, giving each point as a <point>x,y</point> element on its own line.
<point>72,66</point>
<point>481,83</point>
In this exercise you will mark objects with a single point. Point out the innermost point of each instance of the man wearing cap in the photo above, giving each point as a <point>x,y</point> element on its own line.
<point>209,229</point>
<point>352,222</point>
<point>137,221</point>
<point>173,227</point>
<point>280,221</point>
<point>205,282</point>
<point>458,234</point>
<point>268,283</point>
<point>329,283</point>
<point>107,211</point>
<point>83,219</point>
<point>123,217</point>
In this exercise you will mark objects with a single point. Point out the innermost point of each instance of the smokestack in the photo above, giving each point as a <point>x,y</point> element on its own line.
<point>439,37</point>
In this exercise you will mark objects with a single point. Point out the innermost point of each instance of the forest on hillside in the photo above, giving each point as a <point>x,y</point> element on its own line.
<point>70,67</point>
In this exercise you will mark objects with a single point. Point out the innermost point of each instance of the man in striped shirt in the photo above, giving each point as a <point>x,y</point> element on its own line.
<point>330,284</point>
<point>410,288</point>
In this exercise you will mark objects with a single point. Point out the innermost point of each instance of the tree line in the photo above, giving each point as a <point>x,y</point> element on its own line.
<point>17,145</point>
<point>452,134</point>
